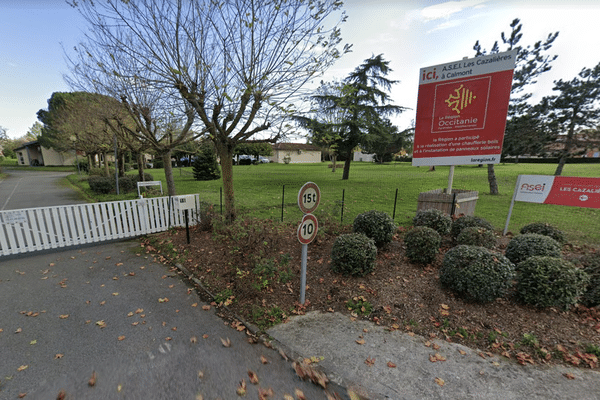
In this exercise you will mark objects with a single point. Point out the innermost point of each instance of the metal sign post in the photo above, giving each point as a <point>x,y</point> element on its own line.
<point>185,203</point>
<point>309,197</point>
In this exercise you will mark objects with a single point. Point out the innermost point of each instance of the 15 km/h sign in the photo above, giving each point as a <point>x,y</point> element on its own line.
<point>307,230</point>
<point>309,197</point>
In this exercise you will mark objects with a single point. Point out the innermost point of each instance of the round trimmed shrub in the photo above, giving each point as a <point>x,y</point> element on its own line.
<point>376,225</point>
<point>422,244</point>
<point>477,273</point>
<point>545,229</point>
<point>468,221</point>
<point>528,245</point>
<point>591,265</point>
<point>477,236</point>
<point>353,254</point>
<point>550,281</point>
<point>434,219</point>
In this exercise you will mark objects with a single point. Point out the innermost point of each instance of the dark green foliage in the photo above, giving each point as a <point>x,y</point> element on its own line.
<point>353,254</point>
<point>545,229</point>
<point>377,225</point>
<point>205,166</point>
<point>422,244</point>
<point>591,265</point>
<point>477,236</point>
<point>550,281</point>
<point>106,184</point>
<point>434,219</point>
<point>522,247</point>
<point>158,163</point>
<point>477,273</point>
<point>102,184</point>
<point>469,221</point>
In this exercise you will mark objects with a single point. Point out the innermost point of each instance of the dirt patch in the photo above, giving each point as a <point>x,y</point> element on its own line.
<point>253,266</point>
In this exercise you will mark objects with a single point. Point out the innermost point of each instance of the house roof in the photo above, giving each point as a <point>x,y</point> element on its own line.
<point>295,146</point>
<point>24,145</point>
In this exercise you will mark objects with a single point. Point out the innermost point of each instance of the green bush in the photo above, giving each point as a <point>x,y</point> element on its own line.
<point>477,236</point>
<point>591,265</point>
<point>469,221</point>
<point>376,225</point>
<point>528,245</point>
<point>550,281</point>
<point>158,163</point>
<point>353,254</point>
<point>422,244</point>
<point>101,172</point>
<point>477,273</point>
<point>101,184</point>
<point>545,229</point>
<point>434,219</point>
<point>205,166</point>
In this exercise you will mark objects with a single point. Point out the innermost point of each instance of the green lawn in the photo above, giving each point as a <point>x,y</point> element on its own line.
<point>258,191</point>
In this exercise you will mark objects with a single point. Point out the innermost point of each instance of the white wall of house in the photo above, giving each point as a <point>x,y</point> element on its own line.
<point>360,156</point>
<point>296,156</point>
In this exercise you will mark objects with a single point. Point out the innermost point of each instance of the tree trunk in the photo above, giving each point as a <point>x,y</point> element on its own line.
<point>122,164</point>
<point>565,154</point>
<point>432,168</point>
<point>166,157</point>
<point>106,169</point>
<point>492,180</point>
<point>140,164</point>
<point>346,173</point>
<point>226,155</point>
<point>333,161</point>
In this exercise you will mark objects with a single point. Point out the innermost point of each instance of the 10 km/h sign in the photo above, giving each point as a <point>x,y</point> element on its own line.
<point>307,230</point>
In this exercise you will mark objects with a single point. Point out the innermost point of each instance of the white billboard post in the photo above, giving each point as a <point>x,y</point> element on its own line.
<point>309,198</point>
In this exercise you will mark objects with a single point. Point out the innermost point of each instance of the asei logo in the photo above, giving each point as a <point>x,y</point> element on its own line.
<point>532,188</point>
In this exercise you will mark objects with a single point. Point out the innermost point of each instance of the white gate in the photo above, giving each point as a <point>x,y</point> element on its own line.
<point>44,228</point>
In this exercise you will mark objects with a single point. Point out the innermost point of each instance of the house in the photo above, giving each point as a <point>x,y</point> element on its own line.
<point>360,156</point>
<point>293,153</point>
<point>32,153</point>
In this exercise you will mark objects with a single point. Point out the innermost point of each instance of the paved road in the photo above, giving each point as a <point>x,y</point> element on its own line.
<point>52,337</point>
<point>29,189</point>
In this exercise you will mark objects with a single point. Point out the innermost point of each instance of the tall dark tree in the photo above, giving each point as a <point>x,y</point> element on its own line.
<point>362,101</point>
<point>384,140</point>
<point>531,62</point>
<point>205,166</point>
<point>576,106</point>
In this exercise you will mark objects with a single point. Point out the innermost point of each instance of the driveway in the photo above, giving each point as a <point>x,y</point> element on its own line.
<point>31,188</point>
<point>112,310</point>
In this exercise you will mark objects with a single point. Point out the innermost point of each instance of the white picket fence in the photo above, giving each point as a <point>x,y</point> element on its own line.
<point>43,228</point>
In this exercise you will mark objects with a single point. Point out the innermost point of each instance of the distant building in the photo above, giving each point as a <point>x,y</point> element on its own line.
<point>360,156</point>
<point>295,153</point>
<point>32,153</point>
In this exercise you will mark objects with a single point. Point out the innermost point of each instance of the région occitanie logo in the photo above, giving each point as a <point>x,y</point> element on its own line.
<point>461,100</point>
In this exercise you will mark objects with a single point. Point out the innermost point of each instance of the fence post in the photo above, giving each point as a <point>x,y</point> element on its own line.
<point>342,213</point>
<point>221,198</point>
<point>395,200</point>
<point>282,197</point>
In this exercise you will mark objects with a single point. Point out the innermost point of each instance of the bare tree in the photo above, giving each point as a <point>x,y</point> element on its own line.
<point>238,63</point>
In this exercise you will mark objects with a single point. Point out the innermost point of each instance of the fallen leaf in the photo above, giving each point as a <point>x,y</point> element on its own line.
<point>200,374</point>
<point>168,338</point>
<point>206,307</point>
<point>205,336</point>
<point>445,306</point>
<point>22,368</point>
<point>21,395</point>
<point>61,395</point>
<point>103,302</point>
<point>370,361</point>
<point>33,342</point>
<point>139,310</point>
<point>299,394</point>
<point>199,397</point>
<point>226,342</point>
<point>115,294</point>
<point>120,338</point>
<point>130,314</point>
<point>63,316</point>
<point>440,381</point>
<point>569,375</point>
<point>57,356</point>
<point>174,328</point>
<point>119,388</point>
<point>391,364</point>
<point>462,352</point>
<point>101,324</point>
<point>195,305</point>
<point>440,357</point>
<point>287,397</point>
<point>241,390</point>
<point>163,300</point>
<point>263,359</point>
<point>19,330</point>
<point>253,377</point>
<point>119,264</point>
<point>92,381</point>
<point>360,341</point>
<point>263,394</point>
<point>193,340</point>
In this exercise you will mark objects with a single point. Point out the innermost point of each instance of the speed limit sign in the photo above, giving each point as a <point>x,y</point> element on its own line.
<point>307,230</point>
<point>309,197</point>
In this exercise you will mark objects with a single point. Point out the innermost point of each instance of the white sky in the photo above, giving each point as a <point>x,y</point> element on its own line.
<point>410,34</point>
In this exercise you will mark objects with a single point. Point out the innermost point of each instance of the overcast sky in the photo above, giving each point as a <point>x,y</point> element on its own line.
<point>410,34</point>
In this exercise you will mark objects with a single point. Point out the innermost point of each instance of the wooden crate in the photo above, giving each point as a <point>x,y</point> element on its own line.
<point>466,200</point>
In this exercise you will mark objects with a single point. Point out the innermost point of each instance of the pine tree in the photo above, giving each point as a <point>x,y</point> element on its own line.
<point>205,166</point>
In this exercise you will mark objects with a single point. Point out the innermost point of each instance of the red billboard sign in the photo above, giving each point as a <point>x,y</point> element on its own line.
<point>461,111</point>
<point>561,190</point>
